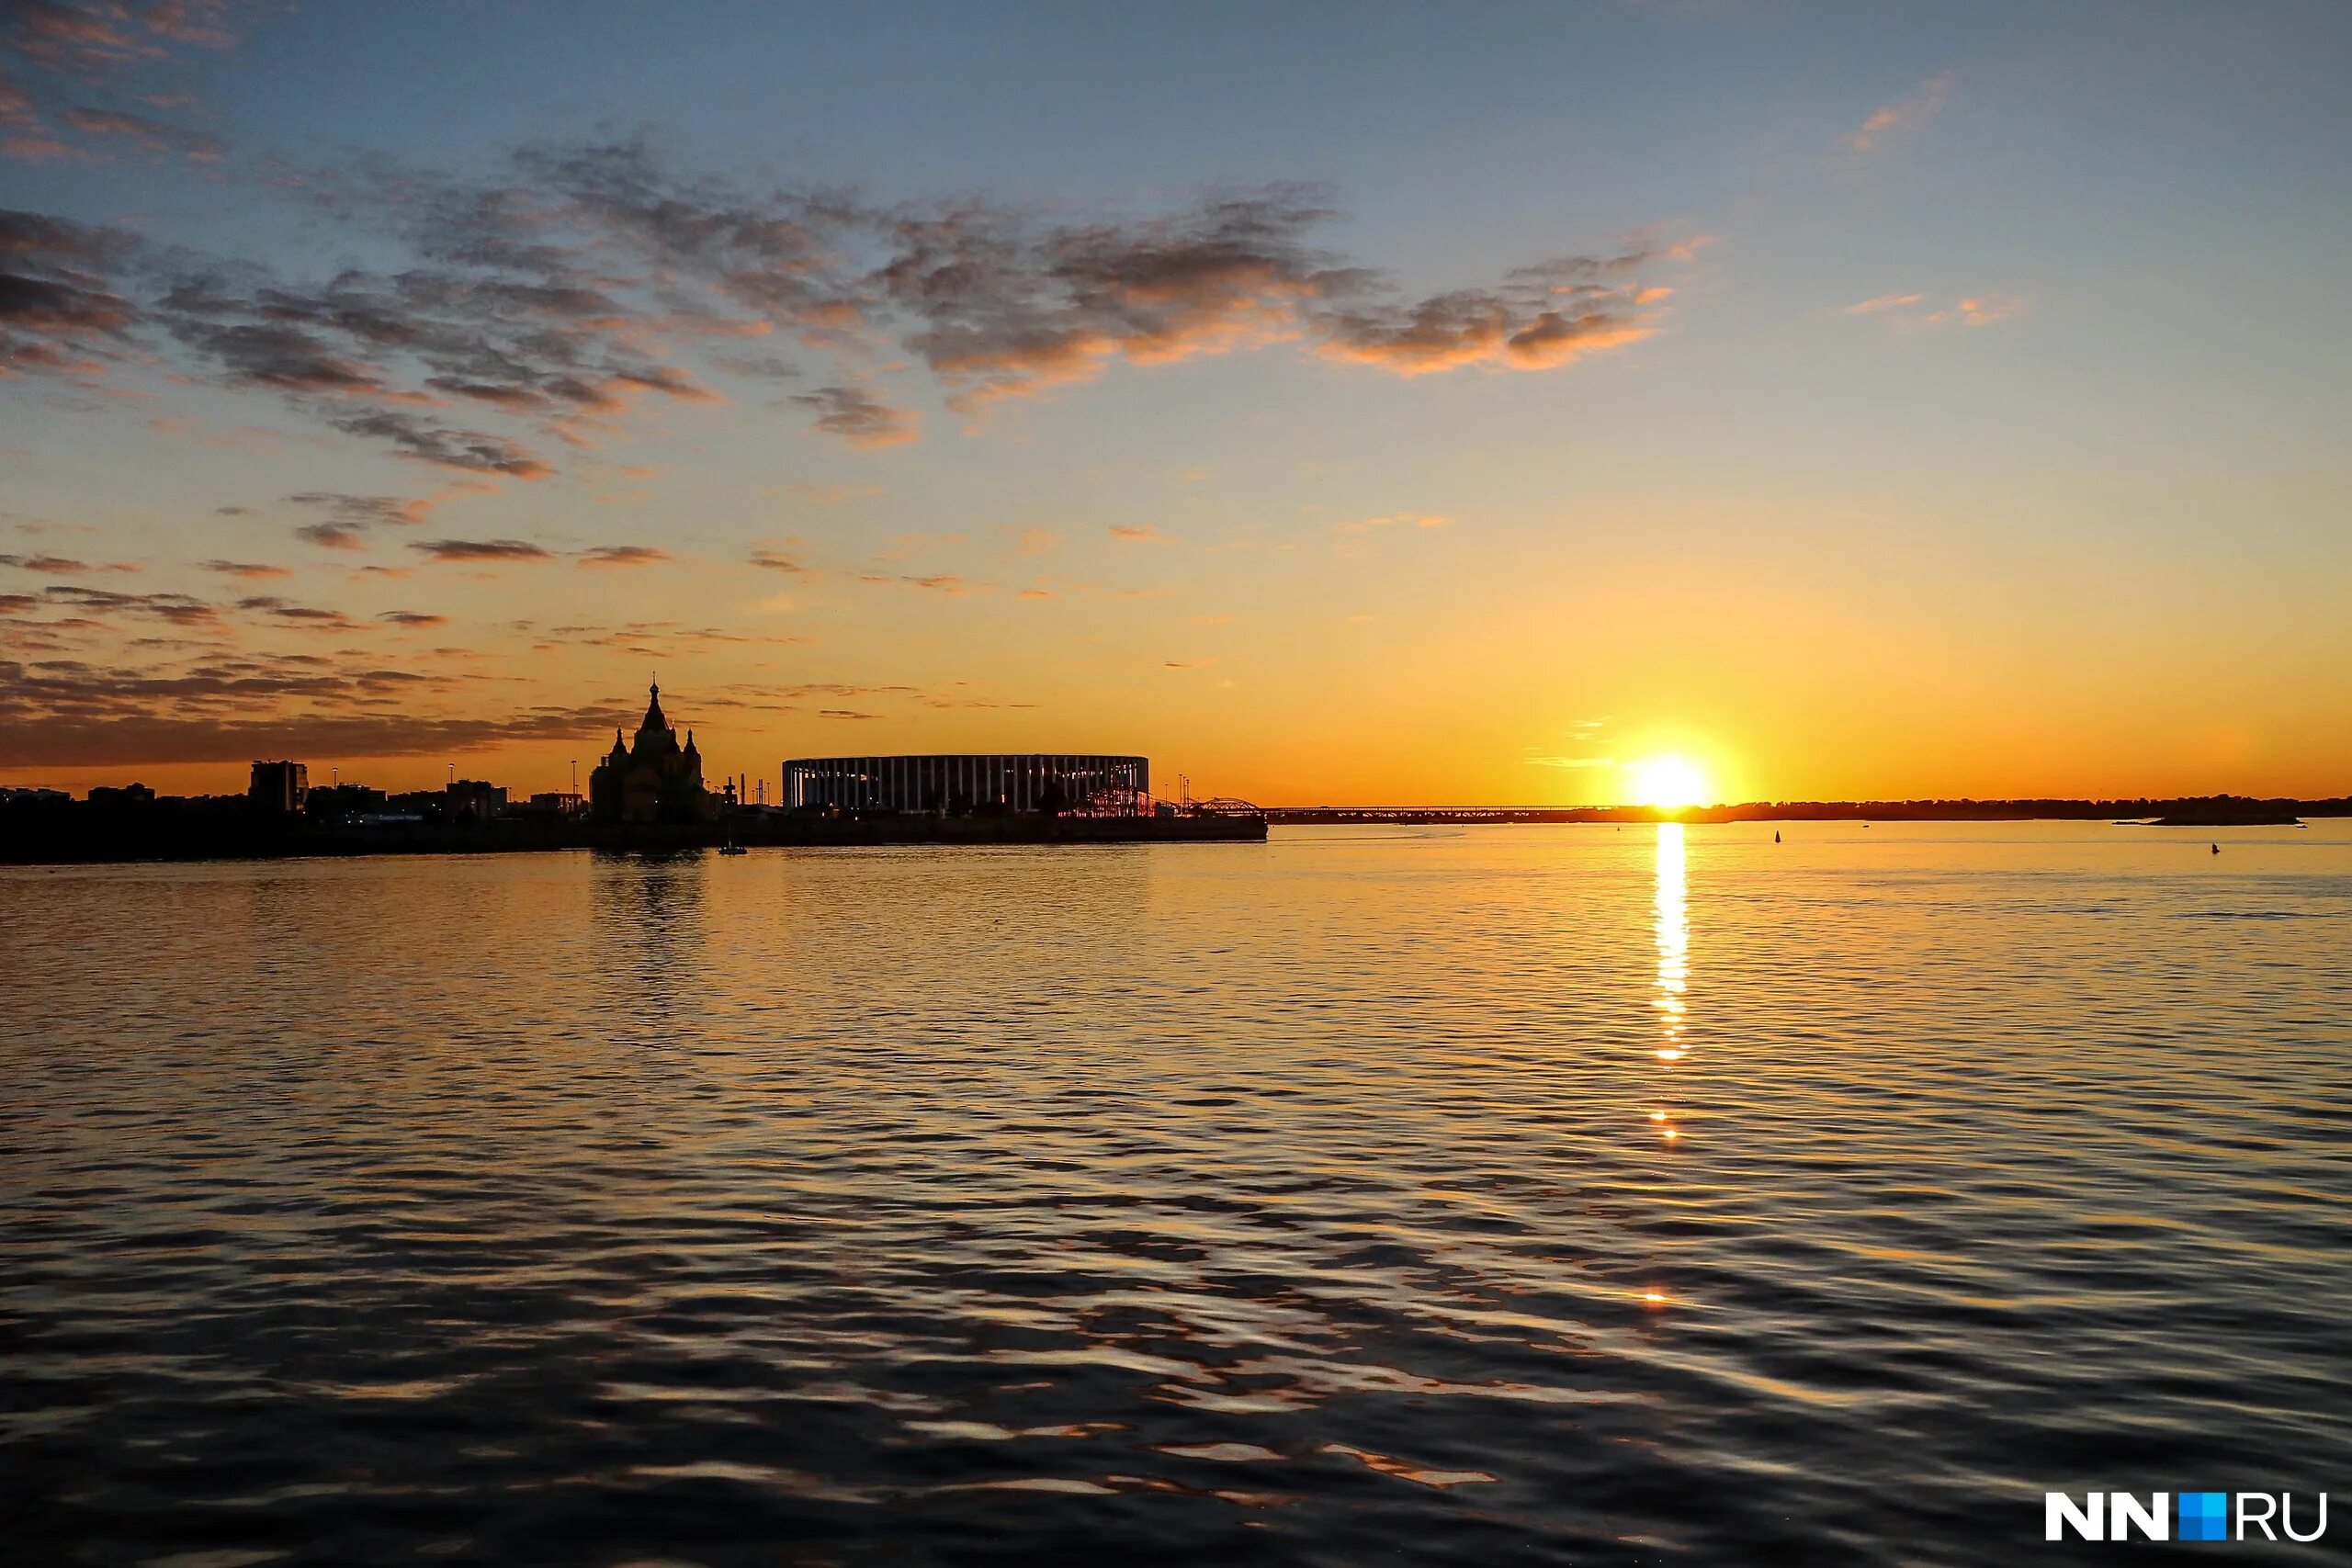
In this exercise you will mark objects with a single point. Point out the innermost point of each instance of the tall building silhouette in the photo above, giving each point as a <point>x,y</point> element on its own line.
<point>279,786</point>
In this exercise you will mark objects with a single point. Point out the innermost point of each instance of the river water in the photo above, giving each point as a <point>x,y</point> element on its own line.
<point>1564,1194</point>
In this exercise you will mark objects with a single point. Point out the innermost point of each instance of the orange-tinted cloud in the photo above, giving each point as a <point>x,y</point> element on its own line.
<point>859,417</point>
<point>1914,311</point>
<point>1913,109</point>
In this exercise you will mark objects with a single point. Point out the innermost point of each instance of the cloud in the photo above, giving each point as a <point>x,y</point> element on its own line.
<point>1188,663</point>
<point>1984,312</point>
<point>97,41</point>
<point>221,712</point>
<point>481,551</point>
<point>148,135</point>
<point>250,571</point>
<point>772,561</point>
<point>58,312</point>
<point>364,511</point>
<point>1140,532</point>
<point>333,534</point>
<point>178,609</point>
<point>1351,537</point>
<point>1915,311</point>
<point>624,555</point>
<point>304,616</point>
<point>412,618</point>
<point>1006,307</point>
<point>347,518</point>
<point>1542,318</point>
<point>1913,109</point>
<point>63,566</point>
<point>446,447</point>
<point>948,583</point>
<point>858,417</point>
<point>507,320</point>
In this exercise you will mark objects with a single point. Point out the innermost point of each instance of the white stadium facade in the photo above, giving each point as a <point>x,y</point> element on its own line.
<point>1021,781</point>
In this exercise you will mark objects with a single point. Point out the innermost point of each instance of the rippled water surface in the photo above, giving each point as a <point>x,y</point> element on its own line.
<point>1547,1194</point>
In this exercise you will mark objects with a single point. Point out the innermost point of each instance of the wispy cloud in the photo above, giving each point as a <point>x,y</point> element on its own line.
<point>250,571</point>
<point>1882,302</point>
<point>1918,311</point>
<point>858,417</point>
<point>527,313</point>
<point>1983,312</point>
<point>944,582</point>
<point>148,135</point>
<point>64,565</point>
<point>1350,538</point>
<point>1906,113</point>
<point>624,555</point>
<point>488,550</point>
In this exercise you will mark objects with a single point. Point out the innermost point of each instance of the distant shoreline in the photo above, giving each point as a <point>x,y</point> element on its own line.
<point>2201,811</point>
<point>75,833</point>
<point>151,836</point>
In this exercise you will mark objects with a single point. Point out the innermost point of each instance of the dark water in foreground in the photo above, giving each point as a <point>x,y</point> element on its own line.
<point>1556,1194</point>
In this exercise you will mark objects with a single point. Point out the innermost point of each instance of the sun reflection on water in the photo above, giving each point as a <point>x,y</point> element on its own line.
<point>1673,928</point>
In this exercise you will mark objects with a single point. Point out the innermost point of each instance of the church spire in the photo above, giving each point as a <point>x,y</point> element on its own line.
<point>654,720</point>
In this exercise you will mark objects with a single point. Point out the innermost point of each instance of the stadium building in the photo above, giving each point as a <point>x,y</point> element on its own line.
<point>1036,781</point>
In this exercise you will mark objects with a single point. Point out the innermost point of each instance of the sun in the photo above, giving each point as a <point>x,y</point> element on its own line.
<point>1668,782</point>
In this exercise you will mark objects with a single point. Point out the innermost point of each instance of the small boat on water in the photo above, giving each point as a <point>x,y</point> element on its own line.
<point>731,848</point>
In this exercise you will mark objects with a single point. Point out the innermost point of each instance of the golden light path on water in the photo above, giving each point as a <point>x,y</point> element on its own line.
<point>1670,927</point>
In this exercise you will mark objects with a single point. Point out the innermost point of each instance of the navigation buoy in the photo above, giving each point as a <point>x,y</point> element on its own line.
<point>2217,849</point>
<point>1776,835</point>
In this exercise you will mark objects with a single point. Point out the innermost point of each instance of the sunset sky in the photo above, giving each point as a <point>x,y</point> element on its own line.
<point>1346,404</point>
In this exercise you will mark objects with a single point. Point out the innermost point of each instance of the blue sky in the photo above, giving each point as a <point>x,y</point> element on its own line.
<point>1979,353</point>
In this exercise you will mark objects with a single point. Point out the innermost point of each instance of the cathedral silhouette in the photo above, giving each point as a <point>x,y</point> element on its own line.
<point>656,780</point>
